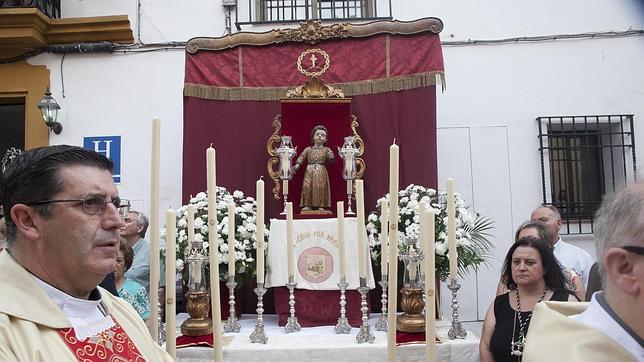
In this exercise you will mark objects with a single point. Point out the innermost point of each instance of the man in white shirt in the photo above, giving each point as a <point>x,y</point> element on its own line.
<point>135,225</point>
<point>568,255</point>
<point>610,327</point>
<point>63,216</point>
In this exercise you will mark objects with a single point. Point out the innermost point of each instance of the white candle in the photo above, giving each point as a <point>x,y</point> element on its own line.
<point>427,238</point>
<point>384,238</point>
<point>362,246</point>
<point>196,272</point>
<point>290,245</point>
<point>154,228</point>
<point>451,229</point>
<point>214,252</point>
<point>170,282</point>
<point>340,211</point>
<point>190,211</point>
<point>231,240</point>
<point>393,252</point>
<point>260,230</point>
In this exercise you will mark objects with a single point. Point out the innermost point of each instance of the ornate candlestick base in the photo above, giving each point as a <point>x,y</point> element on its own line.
<point>381,324</point>
<point>232,324</point>
<point>343,326</point>
<point>349,211</point>
<point>411,302</point>
<point>292,325</point>
<point>258,335</point>
<point>197,305</point>
<point>365,334</point>
<point>456,331</point>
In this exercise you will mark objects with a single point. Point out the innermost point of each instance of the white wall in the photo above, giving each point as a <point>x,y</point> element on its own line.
<point>486,118</point>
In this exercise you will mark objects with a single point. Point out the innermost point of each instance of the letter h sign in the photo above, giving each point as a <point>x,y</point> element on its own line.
<point>110,147</point>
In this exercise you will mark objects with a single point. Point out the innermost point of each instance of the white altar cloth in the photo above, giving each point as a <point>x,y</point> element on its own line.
<point>322,344</point>
<point>316,254</point>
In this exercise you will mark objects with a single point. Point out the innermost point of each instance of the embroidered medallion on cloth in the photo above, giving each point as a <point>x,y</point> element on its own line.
<point>111,345</point>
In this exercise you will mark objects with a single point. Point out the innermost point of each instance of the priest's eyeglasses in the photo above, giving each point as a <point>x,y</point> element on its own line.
<point>93,205</point>
<point>639,250</point>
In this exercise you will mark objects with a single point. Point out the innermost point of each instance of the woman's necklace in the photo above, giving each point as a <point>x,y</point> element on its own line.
<point>516,348</point>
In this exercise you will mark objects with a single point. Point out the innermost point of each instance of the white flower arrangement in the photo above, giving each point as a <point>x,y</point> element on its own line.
<point>245,230</point>
<point>471,229</point>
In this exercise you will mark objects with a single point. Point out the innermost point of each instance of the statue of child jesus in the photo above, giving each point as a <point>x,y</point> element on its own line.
<point>316,191</point>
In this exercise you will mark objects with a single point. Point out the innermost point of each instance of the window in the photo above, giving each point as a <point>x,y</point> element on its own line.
<point>283,11</point>
<point>582,159</point>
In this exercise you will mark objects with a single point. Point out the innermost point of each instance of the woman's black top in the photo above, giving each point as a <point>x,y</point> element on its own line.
<point>502,336</point>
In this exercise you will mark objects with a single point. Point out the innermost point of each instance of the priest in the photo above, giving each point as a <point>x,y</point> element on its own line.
<point>610,327</point>
<point>63,216</point>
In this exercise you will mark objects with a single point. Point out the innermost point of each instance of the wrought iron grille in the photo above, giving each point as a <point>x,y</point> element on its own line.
<point>51,8</point>
<point>582,159</point>
<point>285,11</point>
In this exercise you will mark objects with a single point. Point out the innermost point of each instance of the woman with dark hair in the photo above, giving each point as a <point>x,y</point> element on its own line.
<point>532,274</point>
<point>539,230</point>
<point>128,289</point>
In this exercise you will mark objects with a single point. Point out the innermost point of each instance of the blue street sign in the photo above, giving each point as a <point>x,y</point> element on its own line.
<point>110,147</point>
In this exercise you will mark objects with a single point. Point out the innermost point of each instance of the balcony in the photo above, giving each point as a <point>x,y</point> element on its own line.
<point>263,12</point>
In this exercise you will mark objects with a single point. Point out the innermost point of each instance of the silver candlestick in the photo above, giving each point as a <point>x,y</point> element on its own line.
<point>456,331</point>
<point>343,326</point>
<point>292,324</point>
<point>162,335</point>
<point>232,324</point>
<point>258,335</point>
<point>381,323</point>
<point>365,334</point>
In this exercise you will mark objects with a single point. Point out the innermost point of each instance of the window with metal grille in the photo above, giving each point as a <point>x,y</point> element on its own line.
<point>582,159</point>
<point>268,11</point>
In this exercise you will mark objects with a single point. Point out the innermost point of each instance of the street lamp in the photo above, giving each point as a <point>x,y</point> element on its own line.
<point>49,110</point>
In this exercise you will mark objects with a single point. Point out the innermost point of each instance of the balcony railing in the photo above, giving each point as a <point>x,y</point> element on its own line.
<point>259,12</point>
<point>51,8</point>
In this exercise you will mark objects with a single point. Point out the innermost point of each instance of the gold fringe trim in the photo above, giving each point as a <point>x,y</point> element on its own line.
<point>349,89</point>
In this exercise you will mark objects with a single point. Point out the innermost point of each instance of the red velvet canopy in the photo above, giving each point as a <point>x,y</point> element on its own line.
<point>232,95</point>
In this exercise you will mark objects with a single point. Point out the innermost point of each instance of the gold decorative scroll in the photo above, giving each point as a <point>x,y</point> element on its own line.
<point>271,145</point>
<point>312,32</point>
<point>360,164</point>
<point>315,88</point>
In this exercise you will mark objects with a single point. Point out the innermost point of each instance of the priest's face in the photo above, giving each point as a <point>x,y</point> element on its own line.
<point>527,268</point>
<point>77,249</point>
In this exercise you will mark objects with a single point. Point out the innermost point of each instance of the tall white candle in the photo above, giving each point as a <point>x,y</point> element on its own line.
<point>154,228</point>
<point>384,238</point>
<point>259,195</point>
<point>214,252</point>
<point>170,282</point>
<point>340,211</point>
<point>231,240</point>
<point>393,252</point>
<point>290,244</point>
<point>196,272</point>
<point>427,238</point>
<point>451,229</point>
<point>362,245</point>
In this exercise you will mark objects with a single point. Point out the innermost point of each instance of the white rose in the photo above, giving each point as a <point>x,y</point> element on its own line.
<point>179,264</point>
<point>441,248</point>
<point>182,223</point>
<point>198,237</point>
<point>238,194</point>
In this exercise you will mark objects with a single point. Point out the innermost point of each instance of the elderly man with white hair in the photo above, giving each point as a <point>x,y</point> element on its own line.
<point>611,326</point>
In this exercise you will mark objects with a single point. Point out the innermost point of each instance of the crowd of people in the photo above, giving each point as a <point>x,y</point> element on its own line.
<point>67,232</point>
<point>535,316</point>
